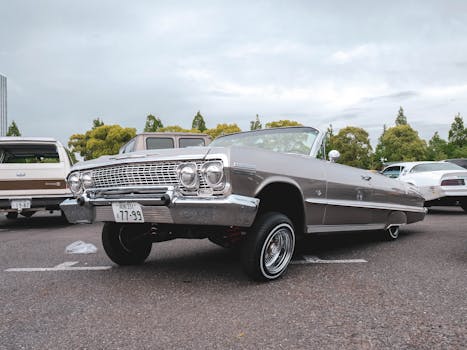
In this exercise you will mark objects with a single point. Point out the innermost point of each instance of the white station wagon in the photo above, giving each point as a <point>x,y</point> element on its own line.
<point>32,175</point>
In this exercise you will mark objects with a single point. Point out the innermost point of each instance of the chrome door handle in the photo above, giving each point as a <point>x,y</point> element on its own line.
<point>366,177</point>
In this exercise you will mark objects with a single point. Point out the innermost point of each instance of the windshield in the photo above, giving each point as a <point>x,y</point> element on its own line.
<point>284,140</point>
<point>420,168</point>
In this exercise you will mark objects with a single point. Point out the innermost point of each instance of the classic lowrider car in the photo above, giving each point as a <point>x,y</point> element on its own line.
<point>261,190</point>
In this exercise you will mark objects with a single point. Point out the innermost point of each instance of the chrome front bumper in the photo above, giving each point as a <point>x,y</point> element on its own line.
<point>233,210</point>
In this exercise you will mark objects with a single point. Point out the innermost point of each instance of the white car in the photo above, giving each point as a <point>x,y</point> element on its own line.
<point>32,175</point>
<point>440,183</point>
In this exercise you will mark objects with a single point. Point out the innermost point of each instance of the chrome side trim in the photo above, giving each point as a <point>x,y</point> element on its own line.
<point>244,168</point>
<point>363,204</point>
<point>343,228</point>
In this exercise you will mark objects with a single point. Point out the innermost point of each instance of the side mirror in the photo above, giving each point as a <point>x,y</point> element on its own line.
<point>333,155</point>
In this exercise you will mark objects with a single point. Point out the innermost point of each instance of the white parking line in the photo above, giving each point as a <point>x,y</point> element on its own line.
<point>311,259</point>
<point>66,266</point>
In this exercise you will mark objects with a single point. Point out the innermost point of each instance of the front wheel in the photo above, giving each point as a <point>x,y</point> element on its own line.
<point>126,244</point>
<point>268,247</point>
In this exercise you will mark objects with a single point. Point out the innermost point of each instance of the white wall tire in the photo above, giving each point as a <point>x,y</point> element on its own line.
<point>269,247</point>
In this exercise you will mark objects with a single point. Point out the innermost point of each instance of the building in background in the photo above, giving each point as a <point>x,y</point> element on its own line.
<point>3,109</point>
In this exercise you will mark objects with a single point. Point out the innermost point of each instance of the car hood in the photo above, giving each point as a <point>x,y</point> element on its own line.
<point>190,153</point>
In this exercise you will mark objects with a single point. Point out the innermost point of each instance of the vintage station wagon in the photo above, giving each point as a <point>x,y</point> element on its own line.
<point>33,174</point>
<point>261,190</point>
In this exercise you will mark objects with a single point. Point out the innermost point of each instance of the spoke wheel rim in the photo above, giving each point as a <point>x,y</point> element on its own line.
<point>393,231</point>
<point>277,250</point>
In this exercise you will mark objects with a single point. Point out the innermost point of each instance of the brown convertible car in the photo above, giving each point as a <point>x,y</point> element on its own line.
<point>260,190</point>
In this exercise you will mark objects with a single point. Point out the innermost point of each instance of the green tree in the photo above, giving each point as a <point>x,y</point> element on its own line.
<point>282,123</point>
<point>457,139</point>
<point>329,138</point>
<point>97,122</point>
<point>401,143</point>
<point>458,133</point>
<point>223,129</point>
<point>353,143</point>
<point>256,124</point>
<point>401,119</point>
<point>437,148</point>
<point>100,140</point>
<point>13,129</point>
<point>153,124</point>
<point>378,156</point>
<point>198,122</point>
<point>177,128</point>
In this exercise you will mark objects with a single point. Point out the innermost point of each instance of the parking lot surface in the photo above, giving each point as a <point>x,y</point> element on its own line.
<point>351,291</point>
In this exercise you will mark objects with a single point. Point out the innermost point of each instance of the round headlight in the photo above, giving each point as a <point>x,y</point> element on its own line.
<point>214,174</point>
<point>188,175</point>
<point>86,180</point>
<point>74,183</point>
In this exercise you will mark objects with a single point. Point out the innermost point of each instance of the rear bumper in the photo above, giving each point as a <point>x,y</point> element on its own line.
<point>446,201</point>
<point>431,193</point>
<point>233,210</point>
<point>37,203</point>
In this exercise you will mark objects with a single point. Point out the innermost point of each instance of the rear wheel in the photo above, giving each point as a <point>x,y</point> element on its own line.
<point>268,247</point>
<point>464,205</point>
<point>391,233</point>
<point>126,244</point>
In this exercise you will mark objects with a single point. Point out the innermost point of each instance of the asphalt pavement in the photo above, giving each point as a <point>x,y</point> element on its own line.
<point>351,291</point>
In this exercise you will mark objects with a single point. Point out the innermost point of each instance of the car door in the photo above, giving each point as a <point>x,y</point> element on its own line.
<point>349,194</point>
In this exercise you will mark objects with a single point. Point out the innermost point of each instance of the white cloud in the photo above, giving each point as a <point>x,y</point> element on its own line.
<point>357,52</point>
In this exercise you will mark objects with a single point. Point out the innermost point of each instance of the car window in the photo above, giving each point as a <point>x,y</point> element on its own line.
<point>159,143</point>
<point>392,171</point>
<point>420,168</point>
<point>29,153</point>
<point>191,142</point>
<point>130,147</point>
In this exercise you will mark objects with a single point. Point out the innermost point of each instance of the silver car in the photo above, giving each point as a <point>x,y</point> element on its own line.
<point>260,190</point>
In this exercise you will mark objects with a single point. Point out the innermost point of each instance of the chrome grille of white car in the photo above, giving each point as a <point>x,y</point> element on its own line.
<point>141,174</point>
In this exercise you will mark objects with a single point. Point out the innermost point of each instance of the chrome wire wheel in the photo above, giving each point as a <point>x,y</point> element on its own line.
<point>277,250</point>
<point>268,247</point>
<point>392,232</point>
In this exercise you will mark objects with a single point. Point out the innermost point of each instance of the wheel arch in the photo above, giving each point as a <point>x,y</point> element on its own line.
<point>284,197</point>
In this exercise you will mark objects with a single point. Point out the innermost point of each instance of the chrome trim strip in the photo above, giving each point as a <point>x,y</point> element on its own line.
<point>244,168</point>
<point>362,204</point>
<point>343,228</point>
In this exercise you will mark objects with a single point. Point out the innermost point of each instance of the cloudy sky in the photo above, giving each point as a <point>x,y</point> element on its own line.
<point>317,62</point>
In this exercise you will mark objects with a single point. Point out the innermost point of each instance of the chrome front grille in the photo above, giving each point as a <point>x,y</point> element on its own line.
<point>141,174</point>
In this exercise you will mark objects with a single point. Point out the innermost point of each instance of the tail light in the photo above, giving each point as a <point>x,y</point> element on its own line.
<point>453,182</point>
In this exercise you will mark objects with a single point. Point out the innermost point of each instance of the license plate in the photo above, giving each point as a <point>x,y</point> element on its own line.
<point>20,204</point>
<point>128,212</point>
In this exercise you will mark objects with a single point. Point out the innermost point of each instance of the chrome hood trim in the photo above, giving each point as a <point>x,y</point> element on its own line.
<point>194,153</point>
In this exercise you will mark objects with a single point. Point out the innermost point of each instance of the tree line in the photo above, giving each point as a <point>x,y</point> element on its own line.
<point>399,142</point>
